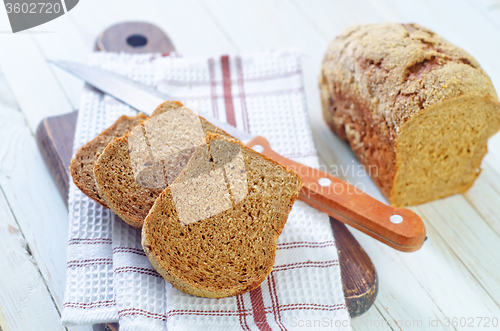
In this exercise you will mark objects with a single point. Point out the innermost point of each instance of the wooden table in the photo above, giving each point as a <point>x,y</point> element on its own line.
<point>455,275</point>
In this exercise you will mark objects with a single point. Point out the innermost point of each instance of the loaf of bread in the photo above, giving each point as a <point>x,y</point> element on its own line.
<point>212,233</point>
<point>82,165</point>
<point>130,186</point>
<point>416,110</point>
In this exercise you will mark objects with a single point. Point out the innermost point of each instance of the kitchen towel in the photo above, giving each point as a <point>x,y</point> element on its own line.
<point>109,278</point>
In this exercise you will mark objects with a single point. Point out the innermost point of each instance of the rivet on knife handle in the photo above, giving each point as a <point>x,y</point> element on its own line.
<point>399,228</point>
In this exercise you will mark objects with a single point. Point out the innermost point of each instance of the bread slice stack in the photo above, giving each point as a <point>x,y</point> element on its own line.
<point>210,208</point>
<point>82,165</point>
<point>128,186</point>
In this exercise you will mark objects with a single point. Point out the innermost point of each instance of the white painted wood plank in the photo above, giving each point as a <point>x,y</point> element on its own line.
<point>331,17</point>
<point>66,43</point>
<point>91,17</point>
<point>484,195</point>
<point>472,240</point>
<point>32,194</point>
<point>25,303</point>
<point>248,24</point>
<point>489,9</point>
<point>371,320</point>
<point>475,31</point>
<point>34,86</point>
<point>189,26</point>
<point>427,284</point>
<point>493,155</point>
<point>32,82</point>
<point>434,273</point>
<point>439,274</point>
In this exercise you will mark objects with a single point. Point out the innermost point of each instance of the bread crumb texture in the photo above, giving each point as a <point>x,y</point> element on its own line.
<point>416,109</point>
<point>213,232</point>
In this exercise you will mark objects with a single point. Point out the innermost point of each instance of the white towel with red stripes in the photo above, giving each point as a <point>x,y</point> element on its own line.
<point>109,278</point>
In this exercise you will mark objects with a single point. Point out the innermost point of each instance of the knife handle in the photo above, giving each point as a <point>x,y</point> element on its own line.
<point>398,228</point>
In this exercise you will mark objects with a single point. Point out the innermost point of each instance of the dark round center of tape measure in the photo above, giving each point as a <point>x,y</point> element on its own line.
<point>137,40</point>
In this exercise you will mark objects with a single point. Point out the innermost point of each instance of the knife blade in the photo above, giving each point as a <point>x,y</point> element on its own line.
<point>399,228</point>
<point>140,97</point>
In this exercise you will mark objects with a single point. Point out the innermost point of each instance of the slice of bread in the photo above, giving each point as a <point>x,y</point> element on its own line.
<point>213,232</point>
<point>134,169</point>
<point>82,165</point>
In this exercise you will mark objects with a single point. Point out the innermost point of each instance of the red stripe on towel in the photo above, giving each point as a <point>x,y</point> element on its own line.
<point>77,241</point>
<point>244,112</point>
<point>307,264</point>
<point>242,313</point>
<point>259,313</point>
<point>129,250</point>
<point>213,87</point>
<point>89,262</point>
<point>274,299</point>
<point>228,96</point>
<point>90,305</point>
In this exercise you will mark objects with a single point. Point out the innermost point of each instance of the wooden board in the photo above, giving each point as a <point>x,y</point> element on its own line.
<point>55,140</point>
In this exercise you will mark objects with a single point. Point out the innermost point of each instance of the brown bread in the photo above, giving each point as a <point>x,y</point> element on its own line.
<point>82,165</point>
<point>212,233</point>
<point>416,109</point>
<point>130,187</point>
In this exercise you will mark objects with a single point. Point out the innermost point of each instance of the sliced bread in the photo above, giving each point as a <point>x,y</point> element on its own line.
<point>133,170</point>
<point>416,109</point>
<point>213,232</point>
<point>82,165</point>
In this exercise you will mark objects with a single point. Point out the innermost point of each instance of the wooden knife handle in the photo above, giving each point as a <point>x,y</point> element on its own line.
<point>399,228</point>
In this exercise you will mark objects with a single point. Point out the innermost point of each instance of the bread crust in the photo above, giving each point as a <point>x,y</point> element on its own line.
<point>370,142</point>
<point>375,78</point>
<point>130,213</point>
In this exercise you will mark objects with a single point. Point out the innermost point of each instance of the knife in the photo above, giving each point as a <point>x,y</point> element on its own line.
<point>398,228</point>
